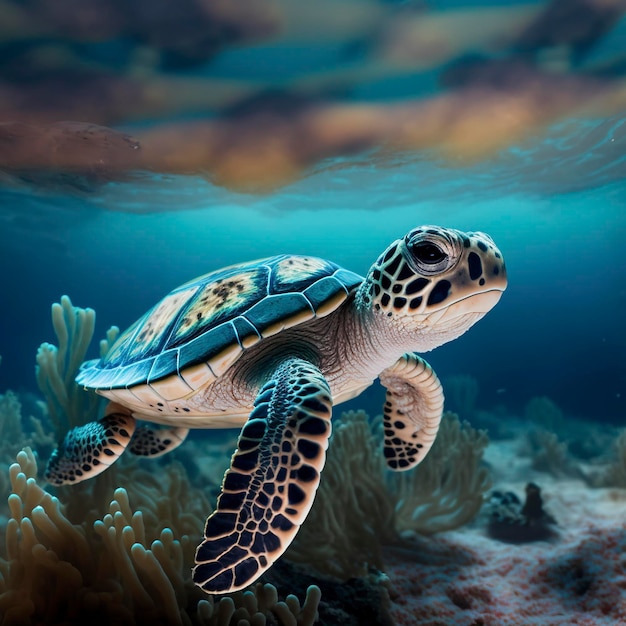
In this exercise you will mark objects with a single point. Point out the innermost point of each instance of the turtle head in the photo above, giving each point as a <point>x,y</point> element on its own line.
<point>435,283</point>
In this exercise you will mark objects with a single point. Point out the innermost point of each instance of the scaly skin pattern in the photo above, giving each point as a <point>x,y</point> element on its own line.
<point>269,488</point>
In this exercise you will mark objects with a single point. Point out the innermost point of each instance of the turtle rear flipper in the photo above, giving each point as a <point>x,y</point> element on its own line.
<point>269,488</point>
<point>412,411</point>
<point>88,450</point>
<point>155,442</point>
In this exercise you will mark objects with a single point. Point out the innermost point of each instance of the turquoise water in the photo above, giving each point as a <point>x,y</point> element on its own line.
<point>503,118</point>
<point>558,330</point>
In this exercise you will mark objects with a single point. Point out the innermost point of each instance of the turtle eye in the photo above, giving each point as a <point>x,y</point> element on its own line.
<point>428,253</point>
<point>427,257</point>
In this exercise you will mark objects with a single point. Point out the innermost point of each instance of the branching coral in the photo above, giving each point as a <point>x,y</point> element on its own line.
<point>550,455</point>
<point>447,489</point>
<point>114,570</point>
<point>360,506</point>
<point>250,608</point>
<point>615,474</point>
<point>10,418</point>
<point>16,432</point>
<point>544,412</point>
<point>353,512</point>
<point>68,404</point>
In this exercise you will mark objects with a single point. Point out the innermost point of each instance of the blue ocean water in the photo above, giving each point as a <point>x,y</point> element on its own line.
<point>558,330</point>
<point>552,194</point>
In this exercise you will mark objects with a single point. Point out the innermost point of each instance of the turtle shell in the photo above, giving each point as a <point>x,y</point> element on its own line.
<point>200,329</point>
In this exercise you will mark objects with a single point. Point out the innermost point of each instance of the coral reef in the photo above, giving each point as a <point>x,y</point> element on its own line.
<point>127,567</point>
<point>447,489</point>
<point>353,513</point>
<point>615,474</point>
<point>550,455</point>
<point>17,431</point>
<point>68,404</point>
<point>86,553</point>
<point>542,411</point>
<point>360,506</point>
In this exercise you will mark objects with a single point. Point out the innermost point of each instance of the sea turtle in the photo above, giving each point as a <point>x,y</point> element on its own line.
<point>272,345</point>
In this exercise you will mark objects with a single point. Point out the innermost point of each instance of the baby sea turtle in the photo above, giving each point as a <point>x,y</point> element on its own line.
<point>272,345</point>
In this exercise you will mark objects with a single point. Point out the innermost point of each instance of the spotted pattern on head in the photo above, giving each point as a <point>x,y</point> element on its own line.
<point>431,268</point>
<point>271,483</point>
<point>88,450</point>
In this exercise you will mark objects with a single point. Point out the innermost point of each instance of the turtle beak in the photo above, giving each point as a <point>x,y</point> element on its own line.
<point>479,303</point>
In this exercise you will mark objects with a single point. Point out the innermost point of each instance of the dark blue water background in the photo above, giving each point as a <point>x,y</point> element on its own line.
<point>555,203</point>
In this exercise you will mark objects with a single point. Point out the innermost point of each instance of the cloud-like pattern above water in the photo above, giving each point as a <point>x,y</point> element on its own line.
<point>525,98</point>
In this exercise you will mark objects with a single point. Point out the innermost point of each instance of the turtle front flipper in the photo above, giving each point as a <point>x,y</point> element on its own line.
<point>88,450</point>
<point>412,411</point>
<point>271,483</point>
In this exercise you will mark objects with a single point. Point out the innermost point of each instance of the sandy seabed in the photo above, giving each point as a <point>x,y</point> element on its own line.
<point>466,578</point>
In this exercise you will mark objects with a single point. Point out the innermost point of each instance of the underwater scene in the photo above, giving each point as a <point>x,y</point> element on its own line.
<point>246,250</point>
